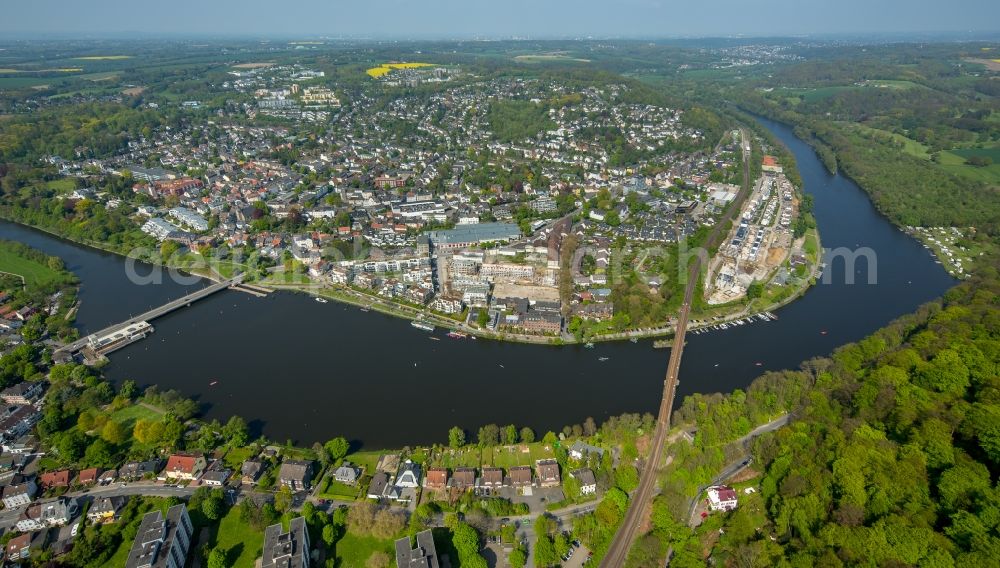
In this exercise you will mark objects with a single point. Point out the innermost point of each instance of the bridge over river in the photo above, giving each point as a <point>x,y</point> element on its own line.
<point>140,324</point>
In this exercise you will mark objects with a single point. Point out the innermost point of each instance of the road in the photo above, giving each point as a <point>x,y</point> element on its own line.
<point>8,517</point>
<point>738,465</point>
<point>618,551</point>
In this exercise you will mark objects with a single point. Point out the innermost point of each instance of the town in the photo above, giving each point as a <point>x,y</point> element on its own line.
<point>516,208</point>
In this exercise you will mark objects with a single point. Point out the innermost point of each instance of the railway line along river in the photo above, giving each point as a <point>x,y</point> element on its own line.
<point>297,369</point>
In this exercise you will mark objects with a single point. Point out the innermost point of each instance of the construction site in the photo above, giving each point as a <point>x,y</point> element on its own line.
<point>759,243</point>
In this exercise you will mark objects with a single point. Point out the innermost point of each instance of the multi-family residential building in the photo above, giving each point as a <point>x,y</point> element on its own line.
<point>162,541</point>
<point>286,549</point>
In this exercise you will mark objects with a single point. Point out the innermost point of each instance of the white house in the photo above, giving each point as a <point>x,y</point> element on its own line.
<point>721,498</point>
<point>346,473</point>
<point>588,482</point>
<point>409,475</point>
<point>20,494</point>
<point>51,514</point>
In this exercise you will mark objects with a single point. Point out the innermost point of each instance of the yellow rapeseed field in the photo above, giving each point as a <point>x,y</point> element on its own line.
<point>376,72</point>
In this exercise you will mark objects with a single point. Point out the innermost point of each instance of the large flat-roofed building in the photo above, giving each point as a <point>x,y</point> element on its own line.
<point>468,235</point>
<point>162,542</point>
<point>423,555</point>
<point>286,549</point>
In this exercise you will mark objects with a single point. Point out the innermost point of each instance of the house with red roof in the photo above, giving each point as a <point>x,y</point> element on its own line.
<point>54,479</point>
<point>437,478</point>
<point>721,498</point>
<point>88,476</point>
<point>186,466</point>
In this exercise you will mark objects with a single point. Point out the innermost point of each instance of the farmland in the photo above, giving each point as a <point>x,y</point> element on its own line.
<point>386,68</point>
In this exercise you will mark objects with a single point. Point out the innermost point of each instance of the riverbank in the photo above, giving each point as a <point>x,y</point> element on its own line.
<point>308,371</point>
<point>943,254</point>
<point>204,272</point>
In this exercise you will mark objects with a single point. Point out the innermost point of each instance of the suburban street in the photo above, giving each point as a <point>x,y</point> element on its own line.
<point>8,517</point>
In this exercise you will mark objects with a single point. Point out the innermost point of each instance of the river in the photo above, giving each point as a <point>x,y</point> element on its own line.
<point>300,370</point>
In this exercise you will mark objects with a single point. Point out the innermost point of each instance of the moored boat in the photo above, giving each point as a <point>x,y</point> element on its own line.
<point>422,325</point>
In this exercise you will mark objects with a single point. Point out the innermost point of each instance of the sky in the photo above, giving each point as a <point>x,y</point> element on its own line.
<point>440,19</point>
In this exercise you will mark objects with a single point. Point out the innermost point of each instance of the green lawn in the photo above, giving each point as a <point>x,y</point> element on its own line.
<point>954,163</point>
<point>333,489</point>
<point>34,273</point>
<point>510,456</point>
<point>353,551</point>
<point>121,555</point>
<point>242,543</point>
<point>820,93</point>
<point>133,412</point>
<point>910,146</point>
<point>61,184</point>
<point>236,456</point>
<point>991,153</point>
<point>365,459</point>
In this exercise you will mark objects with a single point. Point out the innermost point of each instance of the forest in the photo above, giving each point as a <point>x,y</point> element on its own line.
<point>890,459</point>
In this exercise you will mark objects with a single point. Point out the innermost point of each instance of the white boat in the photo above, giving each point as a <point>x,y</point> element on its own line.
<point>321,300</point>
<point>422,325</point>
<point>602,359</point>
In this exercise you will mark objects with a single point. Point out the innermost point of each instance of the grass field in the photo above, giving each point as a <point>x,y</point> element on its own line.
<point>954,163</point>
<point>910,146</point>
<point>500,456</point>
<point>61,184</point>
<point>236,456</point>
<point>21,82</point>
<point>818,94</point>
<point>891,84</point>
<point>353,551</point>
<point>134,412</point>
<point>242,543</point>
<point>366,459</point>
<point>34,273</point>
<point>333,489</point>
<point>991,153</point>
<point>548,58</point>
<point>103,57</point>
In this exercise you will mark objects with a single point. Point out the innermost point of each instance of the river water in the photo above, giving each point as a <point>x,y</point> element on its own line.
<point>300,370</point>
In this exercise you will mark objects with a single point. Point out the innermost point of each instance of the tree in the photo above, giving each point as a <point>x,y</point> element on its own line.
<point>509,434</point>
<point>72,445</point>
<point>465,539</point>
<point>626,477</point>
<point>283,499</point>
<point>236,432</point>
<point>114,432</point>
<point>128,389</point>
<point>517,558</point>
<point>100,454</point>
<point>387,523</point>
<point>489,435</point>
<point>456,437</point>
<point>217,559</point>
<point>527,435</point>
<point>330,535</point>
<point>337,448</point>
<point>212,506</point>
